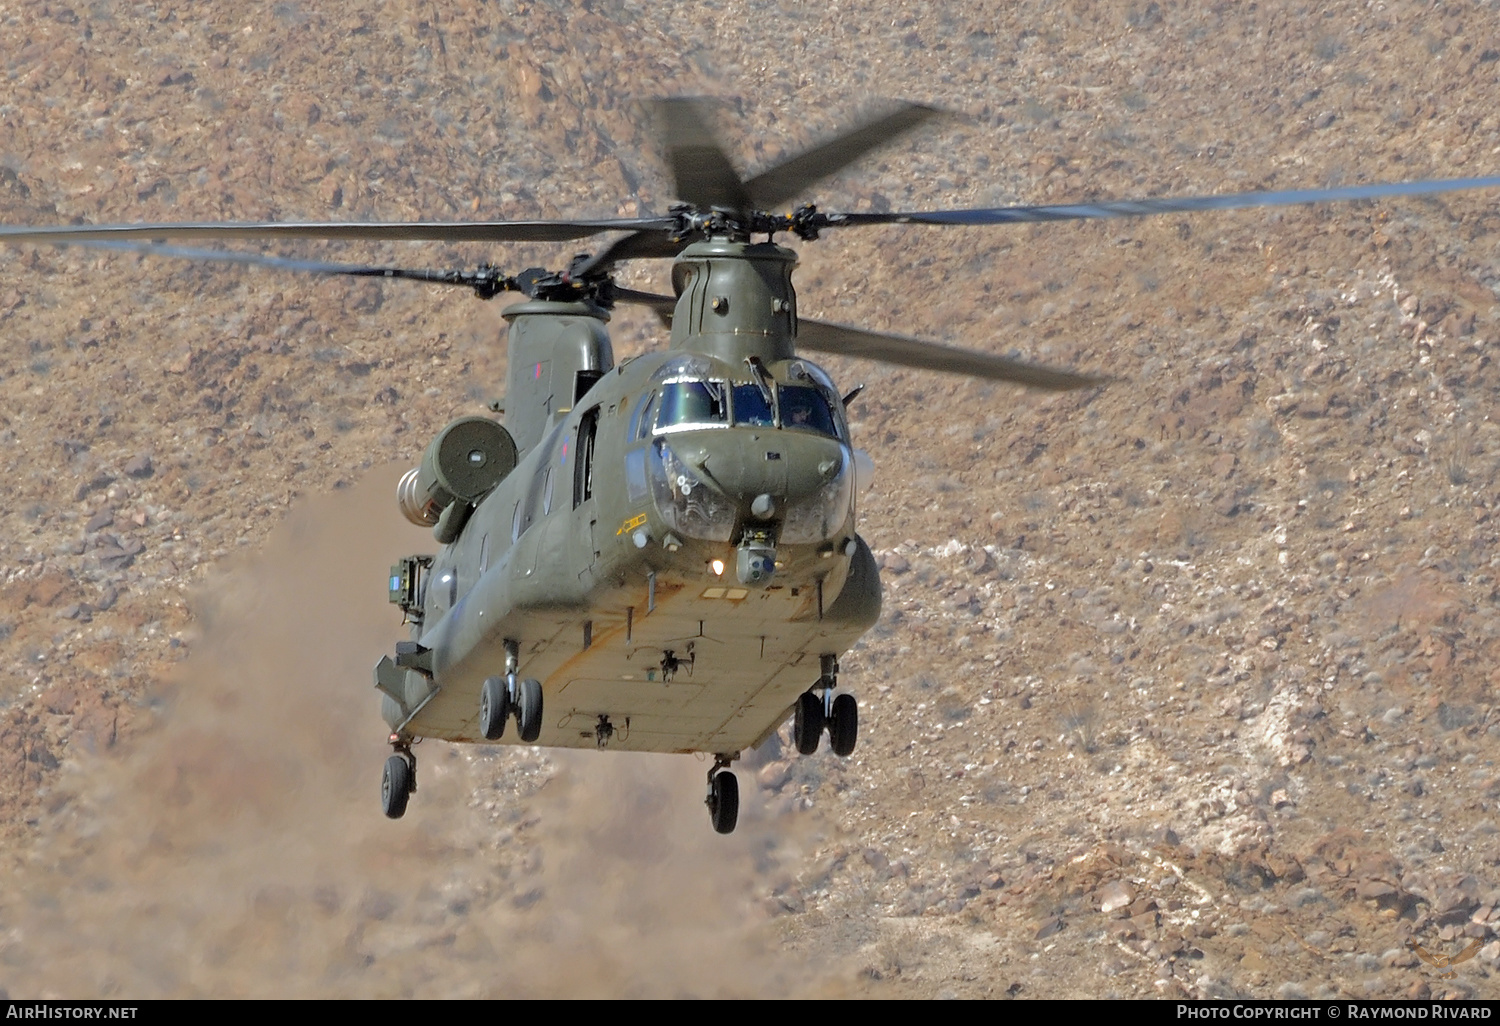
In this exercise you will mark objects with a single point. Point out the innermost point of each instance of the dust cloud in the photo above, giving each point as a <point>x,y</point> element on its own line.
<point>237,849</point>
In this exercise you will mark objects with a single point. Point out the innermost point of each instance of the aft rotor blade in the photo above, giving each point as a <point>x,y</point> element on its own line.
<point>771,188</point>
<point>910,352</point>
<point>701,170</point>
<point>488,282</point>
<point>663,306</point>
<point>1169,204</point>
<point>637,246</point>
<point>392,231</point>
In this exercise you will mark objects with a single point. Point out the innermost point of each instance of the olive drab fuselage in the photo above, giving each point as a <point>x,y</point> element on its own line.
<point>674,554</point>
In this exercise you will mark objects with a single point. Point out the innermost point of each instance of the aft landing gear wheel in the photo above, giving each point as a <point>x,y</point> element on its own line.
<point>396,786</point>
<point>529,710</point>
<point>723,801</point>
<point>494,708</point>
<point>843,725</point>
<point>807,723</point>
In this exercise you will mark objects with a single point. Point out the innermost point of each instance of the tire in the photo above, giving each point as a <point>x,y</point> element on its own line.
<point>395,787</point>
<point>529,710</point>
<point>724,802</point>
<point>843,726</point>
<point>807,723</point>
<point>494,708</point>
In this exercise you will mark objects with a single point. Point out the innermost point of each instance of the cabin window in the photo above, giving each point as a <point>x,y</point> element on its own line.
<point>691,404</point>
<point>751,408</point>
<point>804,408</point>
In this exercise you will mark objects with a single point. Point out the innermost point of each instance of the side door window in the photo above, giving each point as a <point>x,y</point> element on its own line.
<point>583,464</point>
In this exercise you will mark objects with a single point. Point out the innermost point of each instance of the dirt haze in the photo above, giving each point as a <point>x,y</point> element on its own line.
<point>233,853</point>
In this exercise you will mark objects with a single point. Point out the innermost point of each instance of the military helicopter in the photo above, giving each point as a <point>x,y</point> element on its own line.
<point>658,555</point>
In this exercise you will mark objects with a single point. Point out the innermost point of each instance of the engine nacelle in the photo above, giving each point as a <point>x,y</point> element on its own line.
<point>468,458</point>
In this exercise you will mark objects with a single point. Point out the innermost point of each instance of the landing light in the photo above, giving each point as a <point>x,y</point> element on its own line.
<point>718,567</point>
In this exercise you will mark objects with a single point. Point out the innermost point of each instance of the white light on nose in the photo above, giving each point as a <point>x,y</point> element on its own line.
<point>718,567</point>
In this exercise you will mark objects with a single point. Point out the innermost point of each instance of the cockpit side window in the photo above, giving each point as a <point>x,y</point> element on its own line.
<point>804,408</point>
<point>691,404</point>
<point>751,408</point>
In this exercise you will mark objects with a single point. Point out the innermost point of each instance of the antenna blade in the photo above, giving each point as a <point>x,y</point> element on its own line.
<point>701,170</point>
<point>910,352</point>
<point>1169,204</point>
<point>771,188</point>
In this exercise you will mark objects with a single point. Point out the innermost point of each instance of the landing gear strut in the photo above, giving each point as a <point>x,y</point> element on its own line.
<point>501,696</point>
<point>400,778</point>
<point>723,799</point>
<point>838,714</point>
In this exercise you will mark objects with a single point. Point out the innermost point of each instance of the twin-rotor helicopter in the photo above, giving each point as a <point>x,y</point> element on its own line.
<point>660,554</point>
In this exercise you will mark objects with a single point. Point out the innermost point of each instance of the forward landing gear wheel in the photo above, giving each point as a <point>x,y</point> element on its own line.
<point>494,708</point>
<point>395,787</point>
<point>723,801</point>
<point>529,710</point>
<point>807,723</point>
<point>843,725</point>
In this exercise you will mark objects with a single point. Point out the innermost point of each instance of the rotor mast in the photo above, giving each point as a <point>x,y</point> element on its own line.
<point>735,300</point>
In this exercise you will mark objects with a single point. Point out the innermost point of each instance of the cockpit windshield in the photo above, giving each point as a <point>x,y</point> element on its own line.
<point>804,408</point>
<point>684,404</point>
<point>681,405</point>
<point>751,407</point>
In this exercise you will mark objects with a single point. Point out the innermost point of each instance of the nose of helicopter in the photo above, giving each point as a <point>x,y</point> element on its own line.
<point>766,475</point>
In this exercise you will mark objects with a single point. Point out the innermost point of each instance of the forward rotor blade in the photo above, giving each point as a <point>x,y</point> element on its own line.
<point>910,352</point>
<point>771,188</point>
<point>701,170</point>
<point>395,231</point>
<point>1168,204</point>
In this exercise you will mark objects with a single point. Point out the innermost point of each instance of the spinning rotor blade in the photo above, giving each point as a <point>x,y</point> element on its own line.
<point>394,231</point>
<point>1168,204</point>
<point>774,187</point>
<point>910,352</point>
<point>701,170</point>
<point>705,178</point>
<point>842,340</point>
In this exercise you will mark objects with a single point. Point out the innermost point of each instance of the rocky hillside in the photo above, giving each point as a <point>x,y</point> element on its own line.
<point>1184,686</point>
